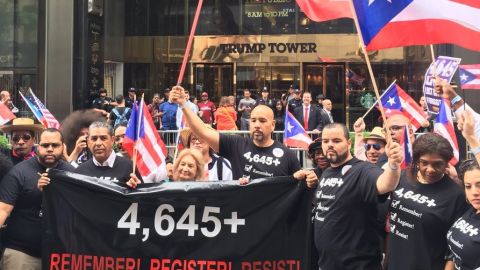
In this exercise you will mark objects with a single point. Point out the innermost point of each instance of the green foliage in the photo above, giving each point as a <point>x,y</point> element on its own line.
<point>4,142</point>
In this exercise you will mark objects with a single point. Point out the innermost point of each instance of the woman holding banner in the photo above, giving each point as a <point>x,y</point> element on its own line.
<point>423,207</point>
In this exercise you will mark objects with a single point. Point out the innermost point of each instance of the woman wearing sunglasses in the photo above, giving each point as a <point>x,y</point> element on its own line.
<point>464,235</point>
<point>423,208</point>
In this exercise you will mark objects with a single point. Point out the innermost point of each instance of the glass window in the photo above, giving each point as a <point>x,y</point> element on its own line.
<point>217,17</point>
<point>136,17</point>
<point>6,32</point>
<point>26,16</point>
<point>268,17</point>
<point>167,17</point>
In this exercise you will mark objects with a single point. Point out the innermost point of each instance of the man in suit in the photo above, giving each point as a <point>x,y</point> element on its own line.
<point>309,115</point>
<point>327,112</point>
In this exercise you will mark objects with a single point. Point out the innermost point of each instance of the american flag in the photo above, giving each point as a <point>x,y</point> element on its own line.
<point>295,135</point>
<point>469,76</point>
<point>444,127</point>
<point>395,100</point>
<point>142,136</point>
<point>49,121</point>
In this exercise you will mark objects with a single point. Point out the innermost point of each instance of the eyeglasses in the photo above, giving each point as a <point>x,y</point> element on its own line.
<point>395,128</point>
<point>195,139</point>
<point>375,146</point>
<point>25,137</point>
<point>53,145</point>
<point>118,137</point>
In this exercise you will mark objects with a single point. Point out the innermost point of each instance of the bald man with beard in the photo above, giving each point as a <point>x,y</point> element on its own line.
<point>256,157</point>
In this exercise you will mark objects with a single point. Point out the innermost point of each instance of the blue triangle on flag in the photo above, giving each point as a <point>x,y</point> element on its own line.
<point>466,76</point>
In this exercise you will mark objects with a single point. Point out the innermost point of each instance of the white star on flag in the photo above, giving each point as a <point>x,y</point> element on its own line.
<point>371,2</point>
<point>463,77</point>
<point>391,101</point>
<point>289,127</point>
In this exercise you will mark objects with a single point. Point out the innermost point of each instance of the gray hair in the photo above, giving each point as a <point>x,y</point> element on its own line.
<point>101,124</point>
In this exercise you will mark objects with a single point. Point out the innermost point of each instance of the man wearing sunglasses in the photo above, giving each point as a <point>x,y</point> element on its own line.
<point>368,148</point>
<point>21,201</point>
<point>22,138</point>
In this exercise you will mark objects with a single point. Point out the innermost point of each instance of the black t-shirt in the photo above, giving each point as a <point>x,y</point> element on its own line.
<point>119,173</point>
<point>19,188</point>
<point>345,215</point>
<point>249,160</point>
<point>464,241</point>
<point>420,216</point>
<point>103,103</point>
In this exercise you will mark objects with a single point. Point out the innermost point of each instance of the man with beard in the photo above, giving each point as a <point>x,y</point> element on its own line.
<point>105,164</point>
<point>346,203</point>
<point>21,200</point>
<point>255,157</point>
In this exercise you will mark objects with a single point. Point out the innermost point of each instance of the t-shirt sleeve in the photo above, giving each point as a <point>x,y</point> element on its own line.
<point>368,183</point>
<point>293,162</point>
<point>228,144</point>
<point>10,187</point>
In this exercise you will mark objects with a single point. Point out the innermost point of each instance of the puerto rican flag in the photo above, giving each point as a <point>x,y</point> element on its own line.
<point>295,135</point>
<point>324,10</point>
<point>407,149</point>
<point>470,76</point>
<point>141,136</point>
<point>396,100</point>
<point>5,114</point>
<point>444,127</point>
<point>397,23</point>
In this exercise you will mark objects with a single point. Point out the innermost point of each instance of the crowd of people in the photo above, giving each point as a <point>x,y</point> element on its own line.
<point>367,212</point>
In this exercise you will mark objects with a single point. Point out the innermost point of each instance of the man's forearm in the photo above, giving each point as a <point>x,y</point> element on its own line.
<point>389,179</point>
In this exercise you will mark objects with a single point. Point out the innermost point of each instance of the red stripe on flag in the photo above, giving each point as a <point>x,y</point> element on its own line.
<point>419,32</point>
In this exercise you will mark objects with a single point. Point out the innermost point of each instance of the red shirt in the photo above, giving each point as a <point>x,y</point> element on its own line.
<point>207,108</point>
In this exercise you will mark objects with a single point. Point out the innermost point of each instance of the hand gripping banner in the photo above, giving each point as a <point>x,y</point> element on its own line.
<point>92,223</point>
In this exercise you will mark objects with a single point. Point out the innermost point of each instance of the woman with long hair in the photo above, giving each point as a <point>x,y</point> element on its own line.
<point>225,115</point>
<point>423,208</point>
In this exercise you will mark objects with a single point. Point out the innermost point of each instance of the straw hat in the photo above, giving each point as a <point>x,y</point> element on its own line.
<point>22,124</point>
<point>377,134</point>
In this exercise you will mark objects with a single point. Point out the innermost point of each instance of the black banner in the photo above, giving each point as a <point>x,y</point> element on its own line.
<point>94,224</point>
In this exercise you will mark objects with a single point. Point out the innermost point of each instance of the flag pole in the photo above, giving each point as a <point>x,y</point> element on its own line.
<point>137,132</point>
<point>189,43</point>
<point>367,59</point>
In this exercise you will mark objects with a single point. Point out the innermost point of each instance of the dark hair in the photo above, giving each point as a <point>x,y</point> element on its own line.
<point>102,90</point>
<point>431,143</point>
<point>119,98</point>
<point>74,123</point>
<point>120,125</point>
<point>466,166</point>
<point>346,132</point>
<point>53,130</point>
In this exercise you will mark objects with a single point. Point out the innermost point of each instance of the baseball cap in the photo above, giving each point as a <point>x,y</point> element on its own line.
<point>132,89</point>
<point>265,89</point>
<point>320,96</point>
<point>296,91</point>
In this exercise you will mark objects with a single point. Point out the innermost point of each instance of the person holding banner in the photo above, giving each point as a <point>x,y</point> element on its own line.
<point>423,207</point>
<point>105,164</point>
<point>346,199</point>
<point>189,166</point>
<point>21,201</point>
<point>256,157</point>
